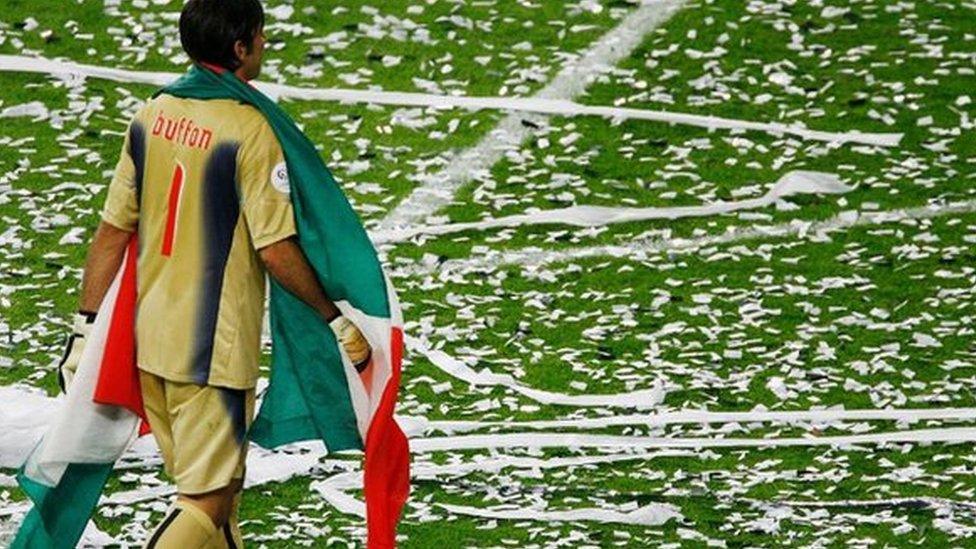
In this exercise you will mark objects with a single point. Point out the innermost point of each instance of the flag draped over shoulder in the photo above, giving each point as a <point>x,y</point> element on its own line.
<point>314,393</point>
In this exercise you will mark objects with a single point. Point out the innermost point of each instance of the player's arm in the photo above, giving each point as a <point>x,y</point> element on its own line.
<point>120,217</point>
<point>287,264</point>
<point>270,221</point>
<point>103,262</point>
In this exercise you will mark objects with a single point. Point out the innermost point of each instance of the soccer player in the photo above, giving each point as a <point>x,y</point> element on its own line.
<point>205,185</point>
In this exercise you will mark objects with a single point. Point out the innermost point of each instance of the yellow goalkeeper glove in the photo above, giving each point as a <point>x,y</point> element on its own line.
<point>352,340</point>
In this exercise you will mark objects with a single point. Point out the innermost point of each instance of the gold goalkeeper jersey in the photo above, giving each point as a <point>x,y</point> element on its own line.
<point>204,184</point>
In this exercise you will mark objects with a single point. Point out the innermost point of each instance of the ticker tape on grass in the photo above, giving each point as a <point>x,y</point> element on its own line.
<point>335,490</point>
<point>538,441</point>
<point>652,514</point>
<point>23,421</point>
<point>818,418</point>
<point>643,399</point>
<point>267,466</point>
<point>263,466</point>
<point>534,257</point>
<point>796,182</point>
<point>436,190</point>
<point>918,502</point>
<point>539,105</point>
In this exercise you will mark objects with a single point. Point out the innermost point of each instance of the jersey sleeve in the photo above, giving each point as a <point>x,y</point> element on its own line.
<point>263,180</point>
<point>121,207</point>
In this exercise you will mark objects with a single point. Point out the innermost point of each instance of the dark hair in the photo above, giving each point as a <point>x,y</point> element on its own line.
<point>210,28</point>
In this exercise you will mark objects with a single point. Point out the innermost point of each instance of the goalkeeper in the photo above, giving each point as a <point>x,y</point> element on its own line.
<point>204,183</point>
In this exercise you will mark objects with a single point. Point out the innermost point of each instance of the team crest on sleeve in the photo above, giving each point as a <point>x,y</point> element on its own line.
<point>279,178</point>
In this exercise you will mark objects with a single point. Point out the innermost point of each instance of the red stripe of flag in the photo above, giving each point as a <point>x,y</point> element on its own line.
<point>386,467</point>
<point>118,376</point>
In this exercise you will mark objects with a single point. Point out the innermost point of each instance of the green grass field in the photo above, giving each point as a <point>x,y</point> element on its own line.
<point>835,314</point>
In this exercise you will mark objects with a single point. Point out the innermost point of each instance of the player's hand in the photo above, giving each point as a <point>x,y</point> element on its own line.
<point>352,341</point>
<point>75,344</point>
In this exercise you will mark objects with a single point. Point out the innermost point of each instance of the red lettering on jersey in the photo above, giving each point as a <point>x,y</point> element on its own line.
<point>182,132</point>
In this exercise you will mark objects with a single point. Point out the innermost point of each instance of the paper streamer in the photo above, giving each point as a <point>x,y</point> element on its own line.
<point>824,417</point>
<point>534,257</point>
<point>334,489</point>
<point>792,183</point>
<point>449,365</point>
<point>654,514</point>
<point>560,440</point>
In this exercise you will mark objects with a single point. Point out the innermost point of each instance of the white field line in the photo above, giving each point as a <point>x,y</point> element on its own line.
<point>790,184</point>
<point>43,65</point>
<point>437,190</point>
<point>539,104</point>
<point>534,257</point>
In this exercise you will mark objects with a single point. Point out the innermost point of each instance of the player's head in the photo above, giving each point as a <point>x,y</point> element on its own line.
<point>227,33</point>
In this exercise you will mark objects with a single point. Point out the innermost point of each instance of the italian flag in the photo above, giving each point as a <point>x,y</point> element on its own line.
<point>314,392</point>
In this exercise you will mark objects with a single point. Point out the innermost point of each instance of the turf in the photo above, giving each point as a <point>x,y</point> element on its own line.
<point>878,315</point>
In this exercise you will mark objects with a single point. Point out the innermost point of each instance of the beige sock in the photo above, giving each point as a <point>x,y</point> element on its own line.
<point>185,527</point>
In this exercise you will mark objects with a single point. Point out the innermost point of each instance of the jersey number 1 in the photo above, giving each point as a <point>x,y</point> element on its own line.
<point>175,194</point>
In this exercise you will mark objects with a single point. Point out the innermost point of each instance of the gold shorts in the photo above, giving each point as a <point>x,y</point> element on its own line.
<point>201,431</point>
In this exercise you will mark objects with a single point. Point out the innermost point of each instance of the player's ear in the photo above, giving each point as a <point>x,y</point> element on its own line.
<point>240,50</point>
